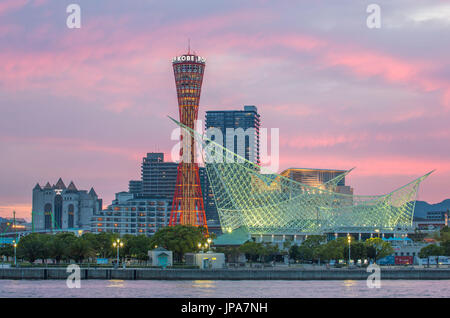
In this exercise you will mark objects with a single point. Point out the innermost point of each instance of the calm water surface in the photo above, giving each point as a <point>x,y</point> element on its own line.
<point>226,289</point>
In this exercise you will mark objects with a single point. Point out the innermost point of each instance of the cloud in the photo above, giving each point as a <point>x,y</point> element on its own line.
<point>6,6</point>
<point>96,98</point>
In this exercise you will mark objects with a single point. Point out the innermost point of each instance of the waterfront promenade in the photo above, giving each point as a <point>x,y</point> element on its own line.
<point>408,273</point>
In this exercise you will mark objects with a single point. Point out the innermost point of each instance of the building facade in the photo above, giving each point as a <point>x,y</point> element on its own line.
<point>228,121</point>
<point>319,178</point>
<point>59,207</point>
<point>158,180</point>
<point>158,176</point>
<point>129,214</point>
<point>271,205</point>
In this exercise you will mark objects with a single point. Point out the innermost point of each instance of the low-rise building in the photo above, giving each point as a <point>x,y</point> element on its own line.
<point>208,260</point>
<point>160,257</point>
<point>428,226</point>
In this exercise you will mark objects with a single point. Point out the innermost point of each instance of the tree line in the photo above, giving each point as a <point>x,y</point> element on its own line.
<point>67,247</point>
<point>315,249</point>
<point>434,250</point>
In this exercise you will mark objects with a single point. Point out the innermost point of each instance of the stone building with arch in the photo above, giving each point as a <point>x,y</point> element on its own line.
<point>57,207</point>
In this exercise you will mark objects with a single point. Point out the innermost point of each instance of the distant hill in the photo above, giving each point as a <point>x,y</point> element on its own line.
<point>423,207</point>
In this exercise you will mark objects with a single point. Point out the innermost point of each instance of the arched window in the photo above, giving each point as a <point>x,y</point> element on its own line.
<point>48,216</point>
<point>71,213</point>
<point>58,211</point>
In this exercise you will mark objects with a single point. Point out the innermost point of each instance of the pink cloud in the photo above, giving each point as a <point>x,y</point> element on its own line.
<point>75,145</point>
<point>11,5</point>
<point>22,210</point>
<point>322,140</point>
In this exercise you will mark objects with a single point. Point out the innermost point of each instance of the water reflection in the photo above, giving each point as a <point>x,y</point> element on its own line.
<point>350,284</point>
<point>223,288</point>
<point>119,283</point>
<point>204,284</point>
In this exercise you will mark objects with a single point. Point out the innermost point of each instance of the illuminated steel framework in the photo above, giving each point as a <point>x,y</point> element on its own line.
<point>274,204</point>
<point>187,206</point>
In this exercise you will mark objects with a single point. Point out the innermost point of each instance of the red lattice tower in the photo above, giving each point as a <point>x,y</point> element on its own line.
<point>187,205</point>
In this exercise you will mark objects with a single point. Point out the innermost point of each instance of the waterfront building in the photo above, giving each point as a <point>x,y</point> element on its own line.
<point>208,260</point>
<point>57,207</point>
<point>437,215</point>
<point>228,121</point>
<point>129,214</point>
<point>428,226</point>
<point>275,205</point>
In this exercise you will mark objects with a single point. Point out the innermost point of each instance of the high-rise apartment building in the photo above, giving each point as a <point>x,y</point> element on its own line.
<point>158,176</point>
<point>228,121</point>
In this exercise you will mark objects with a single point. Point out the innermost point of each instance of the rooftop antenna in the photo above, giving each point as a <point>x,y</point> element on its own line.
<point>189,46</point>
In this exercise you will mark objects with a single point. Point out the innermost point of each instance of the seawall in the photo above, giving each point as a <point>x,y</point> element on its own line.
<point>224,274</point>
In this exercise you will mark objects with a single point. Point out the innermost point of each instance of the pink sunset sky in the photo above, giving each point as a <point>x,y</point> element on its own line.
<point>87,104</point>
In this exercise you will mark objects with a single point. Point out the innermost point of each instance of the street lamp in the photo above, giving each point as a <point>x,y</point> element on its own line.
<point>15,253</point>
<point>200,247</point>
<point>118,243</point>
<point>378,232</point>
<point>349,239</point>
<point>209,240</point>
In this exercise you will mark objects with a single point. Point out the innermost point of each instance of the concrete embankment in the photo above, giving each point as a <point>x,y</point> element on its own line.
<point>224,274</point>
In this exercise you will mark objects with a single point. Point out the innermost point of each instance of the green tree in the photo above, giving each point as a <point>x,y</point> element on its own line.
<point>305,253</point>
<point>309,249</point>
<point>102,243</point>
<point>431,250</point>
<point>252,250</point>
<point>31,247</point>
<point>444,234</point>
<point>294,252</point>
<point>59,245</point>
<point>314,240</point>
<point>81,249</point>
<point>137,246</point>
<point>376,248</point>
<point>179,239</point>
<point>333,250</point>
<point>7,251</point>
<point>231,253</point>
<point>358,250</point>
<point>269,251</point>
<point>445,245</point>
